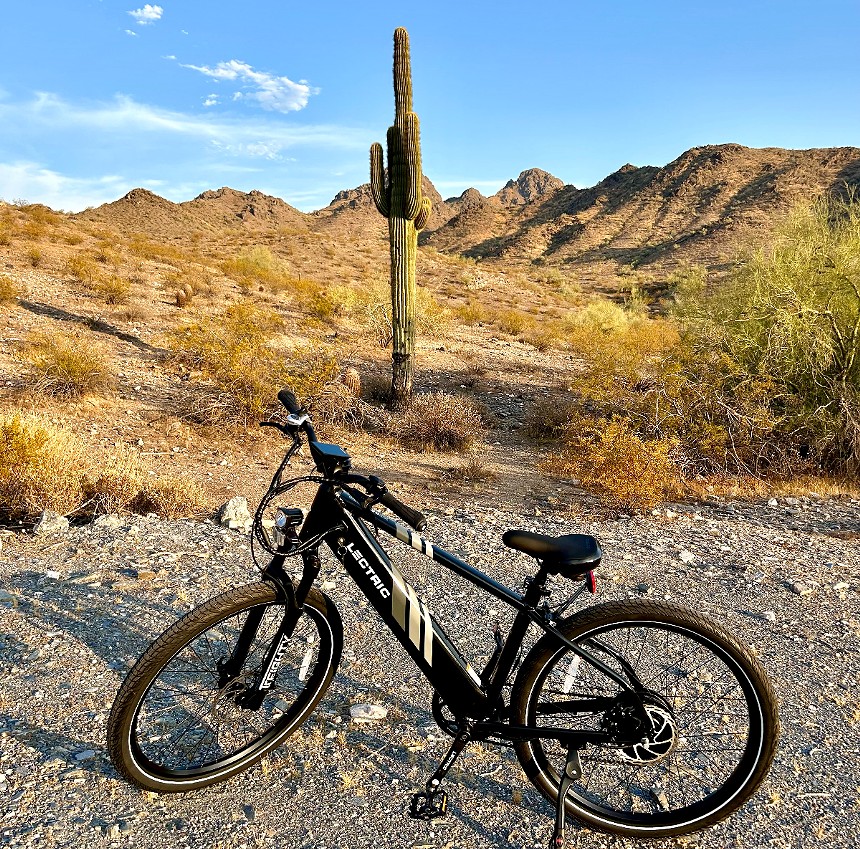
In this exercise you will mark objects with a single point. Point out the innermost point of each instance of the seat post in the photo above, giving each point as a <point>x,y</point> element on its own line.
<point>536,586</point>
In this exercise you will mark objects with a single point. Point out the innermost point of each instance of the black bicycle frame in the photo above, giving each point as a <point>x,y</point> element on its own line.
<point>409,619</point>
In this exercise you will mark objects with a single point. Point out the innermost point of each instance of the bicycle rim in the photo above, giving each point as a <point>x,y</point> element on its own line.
<point>707,758</point>
<point>186,727</point>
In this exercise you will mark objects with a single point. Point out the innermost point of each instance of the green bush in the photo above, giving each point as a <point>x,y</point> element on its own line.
<point>775,351</point>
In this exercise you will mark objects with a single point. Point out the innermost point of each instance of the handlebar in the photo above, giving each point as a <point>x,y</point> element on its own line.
<point>409,515</point>
<point>374,486</point>
<point>288,398</point>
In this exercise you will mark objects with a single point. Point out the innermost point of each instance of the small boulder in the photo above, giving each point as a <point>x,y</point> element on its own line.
<point>235,515</point>
<point>367,713</point>
<point>51,523</point>
<point>111,521</point>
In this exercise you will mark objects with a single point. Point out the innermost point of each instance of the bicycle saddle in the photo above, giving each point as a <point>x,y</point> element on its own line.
<point>571,555</point>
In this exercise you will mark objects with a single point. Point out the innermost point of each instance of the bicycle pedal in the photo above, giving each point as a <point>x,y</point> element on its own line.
<point>428,806</point>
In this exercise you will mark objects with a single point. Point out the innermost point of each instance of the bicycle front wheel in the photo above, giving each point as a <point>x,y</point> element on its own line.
<point>176,725</point>
<point>713,714</point>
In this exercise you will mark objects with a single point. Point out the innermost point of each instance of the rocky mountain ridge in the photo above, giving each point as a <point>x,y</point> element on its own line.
<point>699,208</point>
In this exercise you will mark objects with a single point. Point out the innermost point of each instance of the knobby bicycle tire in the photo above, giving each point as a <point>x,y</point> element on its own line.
<point>172,729</point>
<point>715,706</point>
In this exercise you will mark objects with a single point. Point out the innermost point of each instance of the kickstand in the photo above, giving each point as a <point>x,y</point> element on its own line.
<point>572,772</point>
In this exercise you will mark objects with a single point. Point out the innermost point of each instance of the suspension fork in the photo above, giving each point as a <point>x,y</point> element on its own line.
<point>252,697</point>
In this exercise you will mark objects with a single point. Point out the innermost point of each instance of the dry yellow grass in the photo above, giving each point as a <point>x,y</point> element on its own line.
<point>439,421</point>
<point>43,466</point>
<point>65,365</point>
<point>10,289</point>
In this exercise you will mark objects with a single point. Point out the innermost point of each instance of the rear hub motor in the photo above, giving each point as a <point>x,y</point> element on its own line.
<point>657,744</point>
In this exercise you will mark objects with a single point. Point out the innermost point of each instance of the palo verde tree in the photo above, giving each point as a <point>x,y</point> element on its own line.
<point>401,201</point>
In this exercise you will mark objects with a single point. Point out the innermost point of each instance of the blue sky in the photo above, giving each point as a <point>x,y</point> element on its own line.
<point>179,96</point>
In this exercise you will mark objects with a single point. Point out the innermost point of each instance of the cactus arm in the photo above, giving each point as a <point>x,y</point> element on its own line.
<point>377,180</point>
<point>412,161</point>
<point>402,75</point>
<point>423,214</point>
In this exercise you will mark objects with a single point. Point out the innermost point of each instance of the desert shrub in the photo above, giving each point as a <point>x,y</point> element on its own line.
<point>433,319</point>
<point>373,305</point>
<point>169,496</point>
<point>773,352</point>
<point>608,456</point>
<point>34,256</point>
<point>106,254</point>
<point>43,466</point>
<point>337,405</point>
<point>256,266</point>
<point>438,421</point>
<point>549,418</point>
<point>545,335</point>
<point>472,312</point>
<point>116,485</point>
<point>111,289</point>
<point>600,315</point>
<point>376,387</point>
<point>10,289</point>
<point>64,365</point>
<point>34,229</point>
<point>234,350</point>
<point>40,214</point>
<point>511,321</point>
<point>39,466</point>
<point>82,268</point>
<point>147,249</point>
<point>473,470</point>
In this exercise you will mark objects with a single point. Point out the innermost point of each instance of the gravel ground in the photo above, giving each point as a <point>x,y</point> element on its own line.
<point>78,608</point>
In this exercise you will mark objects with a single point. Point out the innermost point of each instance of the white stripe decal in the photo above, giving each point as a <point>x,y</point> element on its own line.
<point>414,618</point>
<point>428,548</point>
<point>473,675</point>
<point>415,541</point>
<point>428,635</point>
<point>398,597</point>
<point>401,533</point>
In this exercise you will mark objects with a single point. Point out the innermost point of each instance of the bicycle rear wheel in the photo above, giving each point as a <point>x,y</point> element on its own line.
<point>714,716</point>
<point>173,728</point>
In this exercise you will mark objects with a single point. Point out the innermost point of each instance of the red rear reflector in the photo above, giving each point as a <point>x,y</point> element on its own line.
<point>591,582</point>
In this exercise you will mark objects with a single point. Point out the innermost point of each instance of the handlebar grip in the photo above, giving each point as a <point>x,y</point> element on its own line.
<point>408,514</point>
<point>289,400</point>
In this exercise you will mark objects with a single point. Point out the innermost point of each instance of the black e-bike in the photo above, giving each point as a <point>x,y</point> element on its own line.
<point>640,718</point>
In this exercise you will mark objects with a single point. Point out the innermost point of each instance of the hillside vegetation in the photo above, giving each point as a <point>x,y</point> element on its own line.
<point>154,336</point>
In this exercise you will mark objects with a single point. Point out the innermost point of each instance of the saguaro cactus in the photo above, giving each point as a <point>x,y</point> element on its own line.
<point>401,201</point>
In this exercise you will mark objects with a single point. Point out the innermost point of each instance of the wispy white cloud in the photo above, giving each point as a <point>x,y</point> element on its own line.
<point>124,117</point>
<point>147,14</point>
<point>278,94</point>
<point>38,184</point>
<point>54,151</point>
<point>131,32</point>
<point>262,150</point>
<point>210,100</point>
